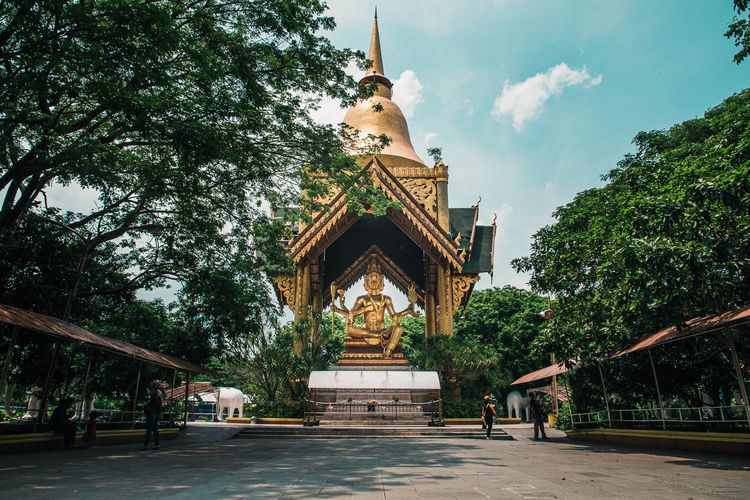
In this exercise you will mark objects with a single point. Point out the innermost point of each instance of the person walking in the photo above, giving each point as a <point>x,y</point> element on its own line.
<point>537,416</point>
<point>153,413</point>
<point>488,415</point>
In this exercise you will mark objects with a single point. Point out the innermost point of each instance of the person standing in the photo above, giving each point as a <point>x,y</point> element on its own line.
<point>537,416</point>
<point>60,422</point>
<point>153,413</point>
<point>488,415</point>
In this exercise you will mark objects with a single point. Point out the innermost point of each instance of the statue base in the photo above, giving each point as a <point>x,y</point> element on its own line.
<point>360,355</point>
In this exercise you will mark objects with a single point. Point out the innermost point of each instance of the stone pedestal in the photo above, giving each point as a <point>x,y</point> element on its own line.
<point>362,356</point>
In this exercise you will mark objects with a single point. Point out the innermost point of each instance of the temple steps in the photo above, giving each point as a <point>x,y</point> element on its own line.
<point>360,431</point>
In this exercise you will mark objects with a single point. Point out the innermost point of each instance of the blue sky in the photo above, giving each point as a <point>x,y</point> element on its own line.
<point>576,81</point>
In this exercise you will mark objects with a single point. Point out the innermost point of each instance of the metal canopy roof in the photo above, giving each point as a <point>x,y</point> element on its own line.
<point>374,380</point>
<point>549,371</point>
<point>693,327</point>
<point>68,331</point>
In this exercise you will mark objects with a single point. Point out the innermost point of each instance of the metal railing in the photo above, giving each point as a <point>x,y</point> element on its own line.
<point>428,411</point>
<point>678,416</point>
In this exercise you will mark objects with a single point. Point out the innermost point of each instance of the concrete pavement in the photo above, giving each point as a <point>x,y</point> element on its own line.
<point>205,464</point>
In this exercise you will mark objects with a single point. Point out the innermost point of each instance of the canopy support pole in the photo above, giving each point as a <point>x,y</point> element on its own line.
<point>86,383</point>
<point>658,391</point>
<point>740,377</point>
<point>570,401</point>
<point>187,391</point>
<point>43,402</point>
<point>171,399</point>
<point>135,395</point>
<point>6,363</point>
<point>555,408</point>
<point>606,399</point>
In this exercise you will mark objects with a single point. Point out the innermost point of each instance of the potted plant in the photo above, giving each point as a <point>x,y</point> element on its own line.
<point>371,404</point>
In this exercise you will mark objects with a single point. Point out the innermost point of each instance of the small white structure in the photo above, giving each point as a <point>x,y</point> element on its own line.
<point>517,402</point>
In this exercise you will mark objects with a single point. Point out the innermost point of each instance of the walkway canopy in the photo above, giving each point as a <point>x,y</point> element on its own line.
<point>692,328</point>
<point>547,372</point>
<point>55,327</point>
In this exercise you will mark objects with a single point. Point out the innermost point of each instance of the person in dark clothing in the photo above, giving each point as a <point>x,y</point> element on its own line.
<point>488,415</point>
<point>537,416</point>
<point>60,423</point>
<point>153,412</point>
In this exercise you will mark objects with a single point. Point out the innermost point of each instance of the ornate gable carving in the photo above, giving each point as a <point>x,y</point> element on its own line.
<point>462,283</point>
<point>425,192</point>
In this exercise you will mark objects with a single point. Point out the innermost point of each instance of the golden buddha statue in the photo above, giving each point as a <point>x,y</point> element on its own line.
<point>373,307</point>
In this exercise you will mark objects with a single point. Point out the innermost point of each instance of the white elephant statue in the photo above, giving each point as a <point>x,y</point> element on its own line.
<point>515,401</point>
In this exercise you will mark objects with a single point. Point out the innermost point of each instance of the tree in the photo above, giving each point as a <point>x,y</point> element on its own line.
<point>491,345</point>
<point>665,240</point>
<point>739,30</point>
<point>187,113</point>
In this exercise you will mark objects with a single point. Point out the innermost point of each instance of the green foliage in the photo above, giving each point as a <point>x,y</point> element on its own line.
<point>435,153</point>
<point>462,408</point>
<point>491,345</point>
<point>739,30</point>
<point>665,240</point>
<point>564,423</point>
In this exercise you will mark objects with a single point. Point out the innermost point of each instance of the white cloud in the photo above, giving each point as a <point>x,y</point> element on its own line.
<point>430,136</point>
<point>470,107</point>
<point>524,100</point>
<point>407,92</point>
<point>329,112</point>
<point>594,82</point>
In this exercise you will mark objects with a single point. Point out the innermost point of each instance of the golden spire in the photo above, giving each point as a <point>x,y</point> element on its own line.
<point>388,120</point>
<point>376,56</point>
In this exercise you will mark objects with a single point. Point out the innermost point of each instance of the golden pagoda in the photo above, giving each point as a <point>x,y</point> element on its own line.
<point>429,251</point>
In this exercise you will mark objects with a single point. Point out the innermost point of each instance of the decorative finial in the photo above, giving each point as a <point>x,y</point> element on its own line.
<point>376,12</point>
<point>375,55</point>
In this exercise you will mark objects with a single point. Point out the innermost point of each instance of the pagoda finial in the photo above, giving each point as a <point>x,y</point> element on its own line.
<point>375,54</point>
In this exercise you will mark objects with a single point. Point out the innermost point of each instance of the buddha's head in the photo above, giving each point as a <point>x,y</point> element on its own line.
<point>374,278</point>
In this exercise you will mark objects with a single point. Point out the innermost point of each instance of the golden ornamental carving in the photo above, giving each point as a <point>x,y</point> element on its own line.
<point>425,192</point>
<point>441,171</point>
<point>418,172</point>
<point>318,229</point>
<point>437,240</point>
<point>461,284</point>
<point>287,288</point>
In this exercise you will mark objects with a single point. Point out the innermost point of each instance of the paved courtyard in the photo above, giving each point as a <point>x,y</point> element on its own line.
<point>207,465</point>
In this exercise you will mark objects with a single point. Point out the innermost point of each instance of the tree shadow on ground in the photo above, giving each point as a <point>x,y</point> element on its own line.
<point>703,460</point>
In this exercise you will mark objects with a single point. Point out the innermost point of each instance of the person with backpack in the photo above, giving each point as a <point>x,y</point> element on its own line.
<point>488,415</point>
<point>153,413</point>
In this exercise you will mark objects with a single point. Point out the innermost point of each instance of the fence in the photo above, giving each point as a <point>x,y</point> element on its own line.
<point>704,417</point>
<point>428,411</point>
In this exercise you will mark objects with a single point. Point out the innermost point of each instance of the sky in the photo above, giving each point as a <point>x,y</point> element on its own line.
<point>532,102</point>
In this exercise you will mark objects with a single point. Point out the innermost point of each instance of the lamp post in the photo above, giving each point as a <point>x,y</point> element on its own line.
<point>90,242</point>
<point>547,315</point>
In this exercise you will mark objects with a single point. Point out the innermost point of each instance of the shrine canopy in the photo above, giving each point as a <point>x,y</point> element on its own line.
<point>64,330</point>
<point>374,380</point>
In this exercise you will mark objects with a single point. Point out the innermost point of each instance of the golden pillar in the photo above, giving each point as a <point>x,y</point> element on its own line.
<point>429,314</point>
<point>444,280</point>
<point>302,304</point>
